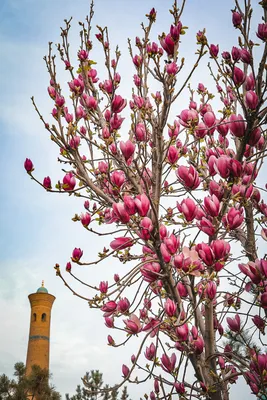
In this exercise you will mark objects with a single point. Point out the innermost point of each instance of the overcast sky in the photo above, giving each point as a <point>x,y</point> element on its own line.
<point>36,227</point>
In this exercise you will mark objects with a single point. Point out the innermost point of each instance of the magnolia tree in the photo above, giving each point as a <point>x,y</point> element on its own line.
<point>179,201</point>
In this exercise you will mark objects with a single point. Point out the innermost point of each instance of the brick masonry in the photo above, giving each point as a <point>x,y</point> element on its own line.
<point>39,336</point>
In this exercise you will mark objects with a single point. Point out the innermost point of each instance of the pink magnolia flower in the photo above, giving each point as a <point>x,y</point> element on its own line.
<point>214,50</point>
<point>123,305</point>
<point>168,363</point>
<point>200,131</point>
<point>152,326</point>
<point>263,300</point>
<point>86,204</point>
<point>156,385</point>
<point>150,271</point>
<point>234,323</point>
<point>107,86</point>
<point>52,92</point>
<point>115,122</point>
<point>109,307</point>
<point>125,371</point>
<point>80,113</point>
<point>142,204</point>
<point>252,99</point>
<point>262,31</point>
<point>60,101</point>
<point>172,68</point>
<point>109,322</point>
<point>117,178</point>
<point>198,345</point>
<point>173,155</point>
<point>68,267</point>
<point>250,82</point>
<point>76,86</point>
<point>212,205</point>
<point>180,388</point>
<point>88,101</point>
<point>182,290</point>
<point>140,132</point>
<point>182,332</point>
<point>85,219</point>
<point>111,341</point>
<point>259,323</point>
<point>211,290</point>
<point>47,183</point>
<point>146,228</point>
<point>103,286</point>
<point>69,182</point>
<point>238,76</point>
<point>170,307</point>
<point>163,231</point>
<point>188,117</point>
<point>121,243</point>
<point>103,167</point>
<point>188,208</point>
<point>209,119</point>
<point>133,325</point>
<point>237,125</point>
<point>174,130</point>
<point>28,165</point>
<point>188,177</point>
<point>74,141</point>
<point>118,104</point>
<point>129,205</point>
<point>127,149</point>
<point>165,253</point>
<point>251,271</point>
<point>205,253</point>
<point>255,136</point>
<point>245,56</point>
<point>120,212</point>
<point>223,166</point>
<point>137,60</point>
<point>233,219</point>
<point>206,226</point>
<point>220,248</point>
<point>172,243</point>
<point>167,43</point>
<point>236,53</point>
<point>236,19</point>
<point>83,55</point>
<point>150,352</point>
<point>222,127</point>
<point>217,189</point>
<point>176,30</point>
<point>77,254</point>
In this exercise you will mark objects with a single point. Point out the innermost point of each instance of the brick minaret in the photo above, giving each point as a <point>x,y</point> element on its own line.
<point>39,337</point>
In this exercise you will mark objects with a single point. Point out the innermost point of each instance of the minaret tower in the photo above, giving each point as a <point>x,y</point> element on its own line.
<point>39,337</point>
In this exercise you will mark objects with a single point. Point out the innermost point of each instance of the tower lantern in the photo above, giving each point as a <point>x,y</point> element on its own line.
<point>39,337</point>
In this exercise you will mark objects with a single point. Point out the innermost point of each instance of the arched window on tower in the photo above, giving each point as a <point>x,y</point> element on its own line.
<point>43,317</point>
<point>34,317</point>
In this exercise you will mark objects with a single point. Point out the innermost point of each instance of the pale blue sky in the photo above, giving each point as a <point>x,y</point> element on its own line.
<point>36,227</point>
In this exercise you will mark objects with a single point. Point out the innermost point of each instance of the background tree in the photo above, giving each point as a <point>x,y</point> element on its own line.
<point>178,195</point>
<point>35,385</point>
<point>93,383</point>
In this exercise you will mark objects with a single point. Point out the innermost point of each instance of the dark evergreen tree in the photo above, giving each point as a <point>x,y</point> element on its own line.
<point>93,384</point>
<point>36,385</point>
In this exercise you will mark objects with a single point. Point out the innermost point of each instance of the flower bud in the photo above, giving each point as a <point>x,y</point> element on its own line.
<point>28,165</point>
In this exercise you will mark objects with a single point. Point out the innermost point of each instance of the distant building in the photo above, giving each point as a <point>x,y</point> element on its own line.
<point>39,336</point>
